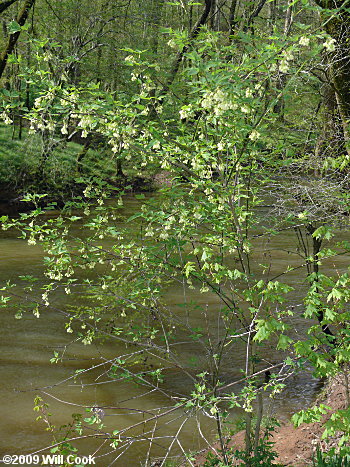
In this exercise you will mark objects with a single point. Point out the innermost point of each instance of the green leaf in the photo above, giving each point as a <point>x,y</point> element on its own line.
<point>311,415</point>
<point>284,342</point>
<point>189,268</point>
<point>263,331</point>
<point>204,255</point>
<point>335,295</point>
<point>13,27</point>
<point>329,314</point>
<point>12,58</point>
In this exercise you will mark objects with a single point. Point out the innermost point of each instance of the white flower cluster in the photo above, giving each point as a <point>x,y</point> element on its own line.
<point>38,101</point>
<point>172,43</point>
<point>304,41</point>
<point>50,125</point>
<point>219,101</point>
<point>130,59</point>
<point>329,44</point>
<point>45,299</point>
<point>6,118</point>
<point>185,112</point>
<point>43,100</point>
<point>64,129</point>
<point>254,135</point>
<point>284,63</point>
<point>248,92</point>
<point>122,136</point>
<point>86,123</point>
<point>88,338</point>
<point>41,125</point>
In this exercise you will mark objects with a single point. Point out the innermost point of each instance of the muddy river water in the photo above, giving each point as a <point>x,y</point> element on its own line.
<point>27,345</point>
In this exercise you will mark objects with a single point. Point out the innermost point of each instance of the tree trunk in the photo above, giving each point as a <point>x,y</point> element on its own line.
<point>82,154</point>
<point>215,20</point>
<point>254,15</point>
<point>331,141</point>
<point>272,12</point>
<point>338,27</point>
<point>156,12</point>
<point>5,5</point>
<point>194,33</point>
<point>232,17</point>
<point>316,248</point>
<point>282,77</point>
<point>119,168</point>
<point>13,38</point>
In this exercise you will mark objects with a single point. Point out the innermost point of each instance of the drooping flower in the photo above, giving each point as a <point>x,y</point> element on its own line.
<point>329,44</point>
<point>254,135</point>
<point>284,66</point>
<point>304,41</point>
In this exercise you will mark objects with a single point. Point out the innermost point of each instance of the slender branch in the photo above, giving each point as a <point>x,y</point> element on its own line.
<point>254,14</point>
<point>193,34</point>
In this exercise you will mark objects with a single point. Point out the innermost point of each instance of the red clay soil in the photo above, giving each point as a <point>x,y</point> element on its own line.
<point>296,446</point>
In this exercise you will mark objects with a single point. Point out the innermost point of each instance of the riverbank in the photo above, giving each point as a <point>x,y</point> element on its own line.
<point>11,197</point>
<point>297,446</point>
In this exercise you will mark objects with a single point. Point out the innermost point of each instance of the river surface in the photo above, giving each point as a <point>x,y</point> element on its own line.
<point>28,344</point>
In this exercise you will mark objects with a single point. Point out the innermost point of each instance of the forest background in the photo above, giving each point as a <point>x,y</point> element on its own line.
<point>242,110</point>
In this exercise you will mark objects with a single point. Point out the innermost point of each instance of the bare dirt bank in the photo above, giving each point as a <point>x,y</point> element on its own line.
<point>297,446</point>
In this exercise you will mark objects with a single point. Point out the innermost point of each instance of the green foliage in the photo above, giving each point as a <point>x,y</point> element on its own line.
<point>311,415</point>
<point>330,460</point>
<point>264,454</point>
<point>217,133</point>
